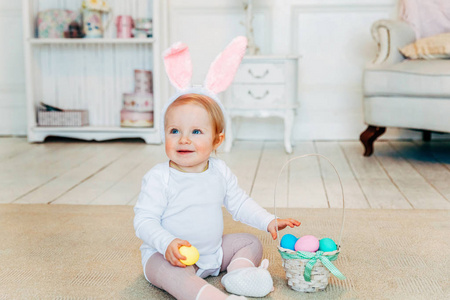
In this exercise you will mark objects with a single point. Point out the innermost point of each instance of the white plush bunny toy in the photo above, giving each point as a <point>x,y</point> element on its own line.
<point>177,61</point>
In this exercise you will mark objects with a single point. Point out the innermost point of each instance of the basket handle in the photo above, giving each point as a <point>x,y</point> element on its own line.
<point>340,182</point>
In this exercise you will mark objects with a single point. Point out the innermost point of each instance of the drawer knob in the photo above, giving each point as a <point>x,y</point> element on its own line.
<point>258,76</point>
<point>258,97</point>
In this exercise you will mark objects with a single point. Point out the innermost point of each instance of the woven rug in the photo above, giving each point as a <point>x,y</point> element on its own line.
<point>91,252</point>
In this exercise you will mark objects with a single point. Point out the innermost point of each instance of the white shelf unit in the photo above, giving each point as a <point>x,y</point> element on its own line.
<point>91,74</point>
<point>37,41</point>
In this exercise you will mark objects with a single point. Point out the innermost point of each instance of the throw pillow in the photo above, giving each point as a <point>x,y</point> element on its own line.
<point>426,17</point>
<point>432,47</point>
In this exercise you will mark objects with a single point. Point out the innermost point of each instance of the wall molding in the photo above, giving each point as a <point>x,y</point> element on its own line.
<point>12,96</point>
<point>220,4</point>
<point>342,3</point>
<point>338,8</point>
<point>185,12</point>
<point>318,8</point>
<point>211,10</point>
<point>10,13</point>
<point>15,88</point>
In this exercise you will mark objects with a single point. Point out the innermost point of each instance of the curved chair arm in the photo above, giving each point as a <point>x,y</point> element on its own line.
<point>390,36</point>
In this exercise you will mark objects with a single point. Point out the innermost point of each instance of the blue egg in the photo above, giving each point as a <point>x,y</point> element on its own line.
<point>288,241</point>
<point>327,245</point>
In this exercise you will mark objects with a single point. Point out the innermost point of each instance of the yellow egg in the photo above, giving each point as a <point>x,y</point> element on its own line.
<point>191,254</point>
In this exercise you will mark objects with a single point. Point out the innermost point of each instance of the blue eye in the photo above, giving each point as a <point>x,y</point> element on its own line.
<point>174,131</point>
<point>196,131</point>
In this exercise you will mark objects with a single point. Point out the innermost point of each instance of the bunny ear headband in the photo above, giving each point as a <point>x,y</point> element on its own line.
<point>177,61</point>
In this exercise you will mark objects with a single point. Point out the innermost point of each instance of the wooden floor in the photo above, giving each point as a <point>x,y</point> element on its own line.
<point>401,174</point>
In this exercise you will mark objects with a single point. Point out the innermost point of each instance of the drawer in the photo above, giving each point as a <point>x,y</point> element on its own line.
<point>257,96</point>
<point>261,73</point>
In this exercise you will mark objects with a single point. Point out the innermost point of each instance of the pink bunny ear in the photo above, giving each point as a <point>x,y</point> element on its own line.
<point>222,70</point>
<point>177,60</point>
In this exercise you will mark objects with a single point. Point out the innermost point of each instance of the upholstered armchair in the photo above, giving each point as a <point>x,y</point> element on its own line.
<point>399,92</point>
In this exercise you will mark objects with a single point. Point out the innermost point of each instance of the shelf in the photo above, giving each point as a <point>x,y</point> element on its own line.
<point>94,128</point>
<point>98,133</point>
<point>37,41</point>
<point>91,72</point>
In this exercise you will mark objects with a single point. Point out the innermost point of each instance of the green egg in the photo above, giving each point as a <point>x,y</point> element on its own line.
<point>327,245</point>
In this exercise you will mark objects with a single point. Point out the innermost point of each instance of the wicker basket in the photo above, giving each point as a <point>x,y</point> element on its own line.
<point>305,271</point>
<point>66,118</point>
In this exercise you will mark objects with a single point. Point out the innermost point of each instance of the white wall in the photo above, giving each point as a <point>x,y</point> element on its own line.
<point>332,36</point>
<point>12,71</point>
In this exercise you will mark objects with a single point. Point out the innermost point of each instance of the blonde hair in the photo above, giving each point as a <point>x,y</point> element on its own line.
<point>212,108</point>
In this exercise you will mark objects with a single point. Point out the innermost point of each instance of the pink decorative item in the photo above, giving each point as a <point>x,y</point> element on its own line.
<point>307,243</point>
<point>138,102</point>
<point>124,25</point>
<point>136,118</point>
<point>138,106</point>
<point>143,81</point>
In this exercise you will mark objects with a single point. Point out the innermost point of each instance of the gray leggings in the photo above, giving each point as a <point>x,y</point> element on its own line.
<point>183,283</point>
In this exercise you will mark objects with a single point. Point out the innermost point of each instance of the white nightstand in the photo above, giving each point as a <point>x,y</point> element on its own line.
<point>264,86</point>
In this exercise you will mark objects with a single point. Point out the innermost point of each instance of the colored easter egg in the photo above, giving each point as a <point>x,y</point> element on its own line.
<point>191,254</point>
<point>307,243</point>
<point>288,241</point>
<point>327,245</point>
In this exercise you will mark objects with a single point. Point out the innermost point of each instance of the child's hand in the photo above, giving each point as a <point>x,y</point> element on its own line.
<point>173,255</point>
<point>282,224</point>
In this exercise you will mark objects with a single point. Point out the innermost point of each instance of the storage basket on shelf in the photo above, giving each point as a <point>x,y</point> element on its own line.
<point>309,271</point>
<point>48,115</point>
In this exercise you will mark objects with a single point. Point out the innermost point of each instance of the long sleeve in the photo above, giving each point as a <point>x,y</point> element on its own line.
<point>242,207</point>
<point>148,211</point>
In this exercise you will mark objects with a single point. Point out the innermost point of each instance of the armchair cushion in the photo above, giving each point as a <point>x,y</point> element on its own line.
<point>408,112</point>
<point>410,78</point>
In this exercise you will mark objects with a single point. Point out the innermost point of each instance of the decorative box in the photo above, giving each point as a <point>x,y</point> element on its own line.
<point>138,102</point>
<point>52,23</point>
<point>68,118</point>
<point>143,81</point>
<point>136,118</point>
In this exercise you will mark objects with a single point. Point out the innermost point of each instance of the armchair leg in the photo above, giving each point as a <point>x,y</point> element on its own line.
<point>369,136</point>
<point>426,136</point>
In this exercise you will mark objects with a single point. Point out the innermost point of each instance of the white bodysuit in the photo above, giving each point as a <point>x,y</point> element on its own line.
<point>174,204</point>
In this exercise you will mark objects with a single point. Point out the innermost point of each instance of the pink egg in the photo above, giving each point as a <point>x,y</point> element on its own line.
<point>307,243</point>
